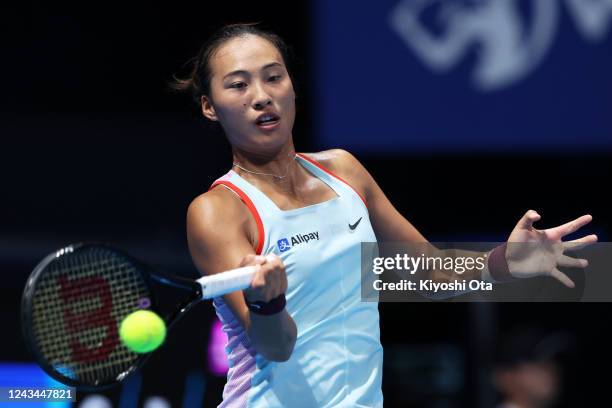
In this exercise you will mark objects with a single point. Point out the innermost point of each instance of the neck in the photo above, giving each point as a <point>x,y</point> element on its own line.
<point>278,168</point>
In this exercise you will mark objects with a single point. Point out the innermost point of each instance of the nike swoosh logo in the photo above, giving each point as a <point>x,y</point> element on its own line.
<point>353,226</point>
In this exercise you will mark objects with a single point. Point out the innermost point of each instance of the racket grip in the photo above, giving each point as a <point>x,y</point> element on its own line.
<point>226,282</point>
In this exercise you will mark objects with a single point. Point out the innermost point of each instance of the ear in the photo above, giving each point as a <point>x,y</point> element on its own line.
<point>208,110</point>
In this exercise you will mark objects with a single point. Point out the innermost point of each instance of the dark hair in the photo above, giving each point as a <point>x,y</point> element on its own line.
<point>198,80</point>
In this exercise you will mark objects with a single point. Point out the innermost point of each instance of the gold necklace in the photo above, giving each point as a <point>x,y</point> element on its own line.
<point>276,176</point>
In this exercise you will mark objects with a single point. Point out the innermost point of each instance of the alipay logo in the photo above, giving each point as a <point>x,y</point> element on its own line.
<point>283,245</point>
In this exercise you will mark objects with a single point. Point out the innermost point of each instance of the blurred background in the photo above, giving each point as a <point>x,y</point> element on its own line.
<point>467,113</point>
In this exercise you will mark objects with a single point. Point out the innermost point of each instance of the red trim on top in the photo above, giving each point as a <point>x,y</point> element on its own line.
<point>245,198</point>
<point>319,165</point>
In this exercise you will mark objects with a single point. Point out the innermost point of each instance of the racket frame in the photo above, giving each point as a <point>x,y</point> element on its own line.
<point>148,275</point>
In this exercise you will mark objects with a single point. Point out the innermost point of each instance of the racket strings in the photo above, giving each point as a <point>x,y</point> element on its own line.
<point>77,307</point>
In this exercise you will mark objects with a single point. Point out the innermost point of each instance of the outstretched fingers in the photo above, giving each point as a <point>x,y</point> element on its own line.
<point>570,227</point>
<point>528,219</point>
<point>561,277</point>
<point>580,243</point>
<point>569,262</point>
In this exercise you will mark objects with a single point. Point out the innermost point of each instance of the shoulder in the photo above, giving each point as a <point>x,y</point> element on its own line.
<point>219,234</point>
<point>338,161</point>
<point>344,165</point>
<point>216,207</point>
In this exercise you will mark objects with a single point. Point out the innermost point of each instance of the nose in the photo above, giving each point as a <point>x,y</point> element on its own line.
<point>259,105</point>
<point>261,98</point>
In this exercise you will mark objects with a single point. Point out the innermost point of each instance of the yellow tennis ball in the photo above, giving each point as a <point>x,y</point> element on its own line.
<point>142,331</point>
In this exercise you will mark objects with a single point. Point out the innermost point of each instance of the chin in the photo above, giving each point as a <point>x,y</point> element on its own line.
<point>275,139</point>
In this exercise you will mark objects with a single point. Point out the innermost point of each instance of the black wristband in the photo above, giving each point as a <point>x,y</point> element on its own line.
<point>498,266</point>
<point>267,308</point>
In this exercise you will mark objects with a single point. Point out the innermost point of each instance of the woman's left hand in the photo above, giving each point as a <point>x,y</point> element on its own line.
<point>532,252</point>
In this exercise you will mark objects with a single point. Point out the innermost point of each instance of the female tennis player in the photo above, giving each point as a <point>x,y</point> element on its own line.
<point>299,336</point>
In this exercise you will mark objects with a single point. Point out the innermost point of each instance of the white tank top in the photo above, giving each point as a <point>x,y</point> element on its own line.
<point>337,359</point>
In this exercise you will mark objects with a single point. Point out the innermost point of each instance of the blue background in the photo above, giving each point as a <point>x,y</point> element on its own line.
<point>374,95</point>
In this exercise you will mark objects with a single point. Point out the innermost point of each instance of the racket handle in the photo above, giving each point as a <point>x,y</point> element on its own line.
<point>226,282</point>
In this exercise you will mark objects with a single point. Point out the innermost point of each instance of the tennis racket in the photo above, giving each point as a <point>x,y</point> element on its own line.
<point>76,298</point>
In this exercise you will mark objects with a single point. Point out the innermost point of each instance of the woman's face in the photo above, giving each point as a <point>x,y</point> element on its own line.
<point>249,79</point>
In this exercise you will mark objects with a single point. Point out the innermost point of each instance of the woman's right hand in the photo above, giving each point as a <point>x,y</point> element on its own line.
<point>270,279</point>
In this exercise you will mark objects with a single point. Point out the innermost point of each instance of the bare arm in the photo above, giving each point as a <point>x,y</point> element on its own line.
<point>388,224</point>
<point>219,239</point>
<point>538,259</point>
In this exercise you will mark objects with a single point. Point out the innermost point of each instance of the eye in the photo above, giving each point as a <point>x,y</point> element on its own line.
<point>238,85</point>
<point>274,78</point>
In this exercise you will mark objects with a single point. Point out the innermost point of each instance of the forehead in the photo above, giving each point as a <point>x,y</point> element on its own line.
<point>244,53</point>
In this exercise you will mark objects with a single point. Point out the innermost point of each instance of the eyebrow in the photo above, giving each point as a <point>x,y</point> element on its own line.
<point>240,71</point>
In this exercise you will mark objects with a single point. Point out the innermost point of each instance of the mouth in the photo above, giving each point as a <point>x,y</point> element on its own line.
<point>267,121</point>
